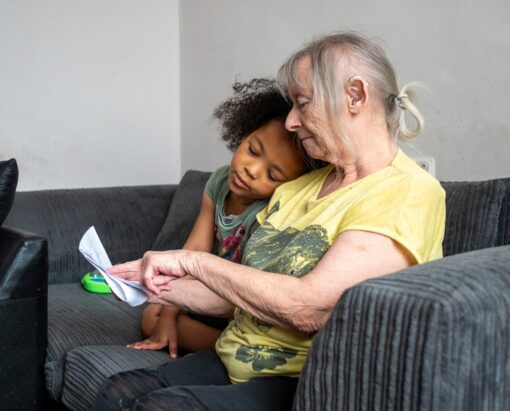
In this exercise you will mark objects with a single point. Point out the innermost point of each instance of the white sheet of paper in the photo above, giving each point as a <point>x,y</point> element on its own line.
<point>130,292</point>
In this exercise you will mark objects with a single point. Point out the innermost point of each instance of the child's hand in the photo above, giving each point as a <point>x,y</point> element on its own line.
<point>154,342</point>
<point>163,335</point>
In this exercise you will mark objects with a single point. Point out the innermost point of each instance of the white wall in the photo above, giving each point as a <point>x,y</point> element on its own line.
<point>460,49</point>
<point>89,91</point>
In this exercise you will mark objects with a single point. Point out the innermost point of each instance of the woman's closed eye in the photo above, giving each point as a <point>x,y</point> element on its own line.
<point>302,104</point>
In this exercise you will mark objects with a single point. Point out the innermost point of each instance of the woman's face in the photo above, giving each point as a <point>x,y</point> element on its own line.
<point>266,158</point>
<point>305,119</point>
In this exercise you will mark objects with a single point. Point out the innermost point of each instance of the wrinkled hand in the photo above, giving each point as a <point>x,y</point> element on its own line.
<point>131,270</point>
<point>157,263</point>
<point>163,335</point>
<point>159,268</point>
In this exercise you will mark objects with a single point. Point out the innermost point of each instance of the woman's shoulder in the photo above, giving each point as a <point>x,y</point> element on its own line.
<point>409,173</point>
<point>403,184</point>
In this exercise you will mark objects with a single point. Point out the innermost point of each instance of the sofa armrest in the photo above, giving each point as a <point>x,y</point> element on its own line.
<point>433,336</point>
<point>23,264</point>
<point>23,315</point>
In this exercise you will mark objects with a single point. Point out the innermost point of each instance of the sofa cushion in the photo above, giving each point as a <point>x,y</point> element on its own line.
<point>88,367</point>
<point>8,183</point>
<point>77,318</point>
<point>472,215</point>
<point>183,211</point>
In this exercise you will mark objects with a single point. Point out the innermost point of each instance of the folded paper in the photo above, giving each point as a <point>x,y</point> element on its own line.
<point>130,292</point>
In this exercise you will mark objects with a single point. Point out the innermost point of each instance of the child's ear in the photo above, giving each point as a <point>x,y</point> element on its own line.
<point>356,92</point>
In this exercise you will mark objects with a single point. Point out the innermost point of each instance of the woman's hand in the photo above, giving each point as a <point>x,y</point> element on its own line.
<point>129,271</point>
<point>164,333</point>
<point>159,268</point>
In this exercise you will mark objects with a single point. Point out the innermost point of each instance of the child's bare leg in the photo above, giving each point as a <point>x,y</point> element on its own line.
<point>194,335</point>
<point>150,317</point>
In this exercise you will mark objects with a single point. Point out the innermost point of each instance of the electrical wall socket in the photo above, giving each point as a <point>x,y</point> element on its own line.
<point>427,163</point>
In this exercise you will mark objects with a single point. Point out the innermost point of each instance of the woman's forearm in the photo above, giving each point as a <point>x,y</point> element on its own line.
<point>275,298</point>
<point>192,295</point>
<point>302,303</point>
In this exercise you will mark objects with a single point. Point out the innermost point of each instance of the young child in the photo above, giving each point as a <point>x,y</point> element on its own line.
<point>266,155</point>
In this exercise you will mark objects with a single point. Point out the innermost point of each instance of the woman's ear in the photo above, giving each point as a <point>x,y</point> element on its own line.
<point>356,92</point>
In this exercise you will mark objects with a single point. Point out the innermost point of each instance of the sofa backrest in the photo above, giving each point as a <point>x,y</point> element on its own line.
<point>132,220</point>
<point>503,237</point>
<point>477,215</point>
<point>127,220</point>
<point>183,212</point>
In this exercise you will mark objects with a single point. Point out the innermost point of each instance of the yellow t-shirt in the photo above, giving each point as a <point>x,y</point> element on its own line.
<point>401,201</point>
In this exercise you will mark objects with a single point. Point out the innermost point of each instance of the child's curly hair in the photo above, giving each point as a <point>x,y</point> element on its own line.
<point>253,104</point>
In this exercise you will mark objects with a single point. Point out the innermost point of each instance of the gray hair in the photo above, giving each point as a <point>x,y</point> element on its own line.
<point>337,57</point>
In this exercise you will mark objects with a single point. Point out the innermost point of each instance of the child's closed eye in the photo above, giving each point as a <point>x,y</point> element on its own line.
<point>251,149</point>
<point>272,177</point>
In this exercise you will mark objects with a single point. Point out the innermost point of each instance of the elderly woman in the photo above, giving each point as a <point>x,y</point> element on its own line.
<point>370,212</point>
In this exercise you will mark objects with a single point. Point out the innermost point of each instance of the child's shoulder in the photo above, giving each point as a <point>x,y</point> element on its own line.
<point>220,172</point>
<point>217,180</point>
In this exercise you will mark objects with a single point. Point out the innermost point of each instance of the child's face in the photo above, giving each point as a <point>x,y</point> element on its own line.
<point>265,159</point>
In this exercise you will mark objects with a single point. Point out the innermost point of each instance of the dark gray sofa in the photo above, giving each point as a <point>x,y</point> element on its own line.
<point>435,336</point>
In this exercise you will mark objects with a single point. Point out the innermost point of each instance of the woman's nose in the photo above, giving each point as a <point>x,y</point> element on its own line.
<point>293,122</point>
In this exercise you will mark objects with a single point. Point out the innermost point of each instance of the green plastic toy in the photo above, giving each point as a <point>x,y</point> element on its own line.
<point>94,282</point>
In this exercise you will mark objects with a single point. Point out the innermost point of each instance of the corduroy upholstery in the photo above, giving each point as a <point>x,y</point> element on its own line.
<point>430,337</point>
<point>128,221</point>
<point>183,210</point>
<point>87,368</point>
<point>77,318</point>
<point>504,218</point>
<point>472,215</point>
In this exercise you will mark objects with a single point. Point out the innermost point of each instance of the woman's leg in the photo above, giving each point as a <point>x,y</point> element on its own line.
<point>262,394</point>
<point>168,399</point>
<point>258,394</point>
<point>122,390</point>
<point>197,382</point>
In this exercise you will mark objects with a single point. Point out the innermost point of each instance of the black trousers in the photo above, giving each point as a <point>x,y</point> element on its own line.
<point>196,381</point>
